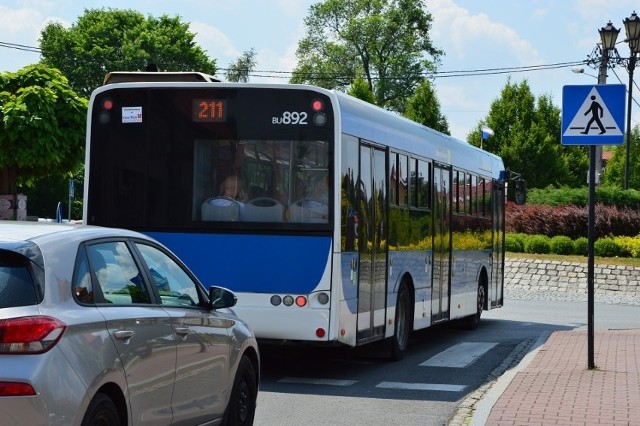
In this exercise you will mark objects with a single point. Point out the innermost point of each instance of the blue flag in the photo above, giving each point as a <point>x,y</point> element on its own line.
<point>486,132</point>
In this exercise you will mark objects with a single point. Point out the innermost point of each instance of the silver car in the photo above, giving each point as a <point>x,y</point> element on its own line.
<point>104,326</point>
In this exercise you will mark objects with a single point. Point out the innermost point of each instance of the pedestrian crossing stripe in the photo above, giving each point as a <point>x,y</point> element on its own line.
<point>459,356</point>
<point>592,118</point>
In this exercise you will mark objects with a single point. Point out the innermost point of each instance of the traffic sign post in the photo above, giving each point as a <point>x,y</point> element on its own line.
<point>592,115</point>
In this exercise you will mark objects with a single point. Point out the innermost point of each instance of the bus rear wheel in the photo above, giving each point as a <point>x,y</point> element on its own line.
<point>402,324</point>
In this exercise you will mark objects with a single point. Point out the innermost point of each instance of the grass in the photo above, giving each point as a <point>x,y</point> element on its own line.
<point>616,261</point>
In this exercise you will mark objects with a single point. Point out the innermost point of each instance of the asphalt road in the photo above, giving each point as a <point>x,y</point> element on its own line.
<point>444,365</point>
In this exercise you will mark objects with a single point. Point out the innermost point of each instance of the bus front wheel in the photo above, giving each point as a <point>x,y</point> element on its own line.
<point>402,325</point>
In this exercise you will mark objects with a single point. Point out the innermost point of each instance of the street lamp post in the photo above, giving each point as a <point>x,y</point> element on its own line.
<point>608,36</point>
<point>632,28</point>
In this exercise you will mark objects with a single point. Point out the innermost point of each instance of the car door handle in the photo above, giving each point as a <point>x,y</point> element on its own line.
<point>123,334</point>
<point>183,331</point>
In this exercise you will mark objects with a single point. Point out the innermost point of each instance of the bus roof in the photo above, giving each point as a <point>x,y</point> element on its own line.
<point>151,76</point>
<point>364,120</point>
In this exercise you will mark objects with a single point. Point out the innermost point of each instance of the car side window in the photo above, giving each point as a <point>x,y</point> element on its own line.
<point>174,285</point>
<point>81,282</point>
<point>117,273</point>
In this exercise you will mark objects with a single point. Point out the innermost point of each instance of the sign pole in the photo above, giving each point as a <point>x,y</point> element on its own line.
<point>590,259</point>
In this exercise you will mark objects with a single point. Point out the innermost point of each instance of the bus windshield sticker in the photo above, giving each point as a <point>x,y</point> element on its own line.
<point>132,114</point>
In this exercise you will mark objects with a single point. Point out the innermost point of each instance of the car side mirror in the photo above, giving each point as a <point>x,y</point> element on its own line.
<point>220,297</point>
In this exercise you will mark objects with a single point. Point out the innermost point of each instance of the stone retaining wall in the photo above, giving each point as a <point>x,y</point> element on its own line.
<point>551,275</point>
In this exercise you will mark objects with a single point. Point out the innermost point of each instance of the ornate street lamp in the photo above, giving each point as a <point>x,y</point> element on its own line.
<point>632,28</point>
<point>608,36</point>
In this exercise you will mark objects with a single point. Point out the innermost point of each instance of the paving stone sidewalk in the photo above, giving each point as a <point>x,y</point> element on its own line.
<point>557,388</point>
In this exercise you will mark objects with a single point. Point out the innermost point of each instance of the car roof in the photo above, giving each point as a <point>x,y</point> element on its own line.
<point>44,231</point>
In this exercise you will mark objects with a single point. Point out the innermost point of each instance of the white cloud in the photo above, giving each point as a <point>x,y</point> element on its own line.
<point>464,34</point>
<point>216,43</point>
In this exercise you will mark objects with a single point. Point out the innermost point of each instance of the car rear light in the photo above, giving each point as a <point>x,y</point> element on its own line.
<point>16,389</point>
<point>29,335</point>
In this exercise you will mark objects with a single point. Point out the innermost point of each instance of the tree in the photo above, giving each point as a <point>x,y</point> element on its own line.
<point>387,39</point>
<point>42,126</point>
<point>361,90</point>
<point>424,108</point>
<point>120,40</point>
<point>614,174</point>
<point>527,137</point>
<point>240,69</point>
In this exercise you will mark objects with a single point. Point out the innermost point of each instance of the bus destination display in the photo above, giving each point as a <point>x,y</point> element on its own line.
<point>209,110</point>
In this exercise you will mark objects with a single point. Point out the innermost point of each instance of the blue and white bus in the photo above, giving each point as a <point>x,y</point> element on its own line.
<point>334,221</point>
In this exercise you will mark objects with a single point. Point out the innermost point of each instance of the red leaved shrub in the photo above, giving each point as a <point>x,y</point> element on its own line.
<point>571,221</point>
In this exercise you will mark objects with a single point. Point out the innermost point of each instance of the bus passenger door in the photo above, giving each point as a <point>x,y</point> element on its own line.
<point>497,277</point>
<point>441,287</point>
<point>371,231</point>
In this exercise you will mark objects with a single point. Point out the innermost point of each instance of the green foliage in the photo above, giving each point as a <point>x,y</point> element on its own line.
<point>614,175</point>
<point>120,40</point>
<point>581,246</point>
<point>42,126</point>
<point>388,40</point>
<point>527,137</point>
<point>513,244</point>
<point>606,247</point>
<point>360,89</point>
<point>45,193</point>
<point>561,245</point>
<point>629,246</point>
<point>603,247</point>
<point>424,108</point>
<point>563,196</point>
<point>240,69</point>
<point>537,244</point>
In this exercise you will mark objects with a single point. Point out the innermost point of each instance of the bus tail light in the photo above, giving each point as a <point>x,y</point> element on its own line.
<point>320,332</point>
<point>107,104</point>
<point>301,301</point>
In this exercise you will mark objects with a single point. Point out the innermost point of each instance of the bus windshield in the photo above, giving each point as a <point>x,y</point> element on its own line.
<point>261,181</point>
<point>197,157</point>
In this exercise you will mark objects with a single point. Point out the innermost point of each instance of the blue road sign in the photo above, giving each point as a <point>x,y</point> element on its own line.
<point>593,114</point>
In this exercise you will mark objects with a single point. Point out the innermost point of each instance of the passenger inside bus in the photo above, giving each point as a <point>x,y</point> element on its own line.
<point>229,205</point>
<point>232,188</point>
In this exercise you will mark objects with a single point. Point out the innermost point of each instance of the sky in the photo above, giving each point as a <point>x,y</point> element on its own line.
<point>504,36</point>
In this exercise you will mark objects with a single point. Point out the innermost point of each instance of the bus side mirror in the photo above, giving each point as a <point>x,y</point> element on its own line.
<point>521,192</point>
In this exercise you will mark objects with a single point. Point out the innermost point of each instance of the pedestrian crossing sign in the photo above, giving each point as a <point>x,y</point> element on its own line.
<point>593,114</point>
